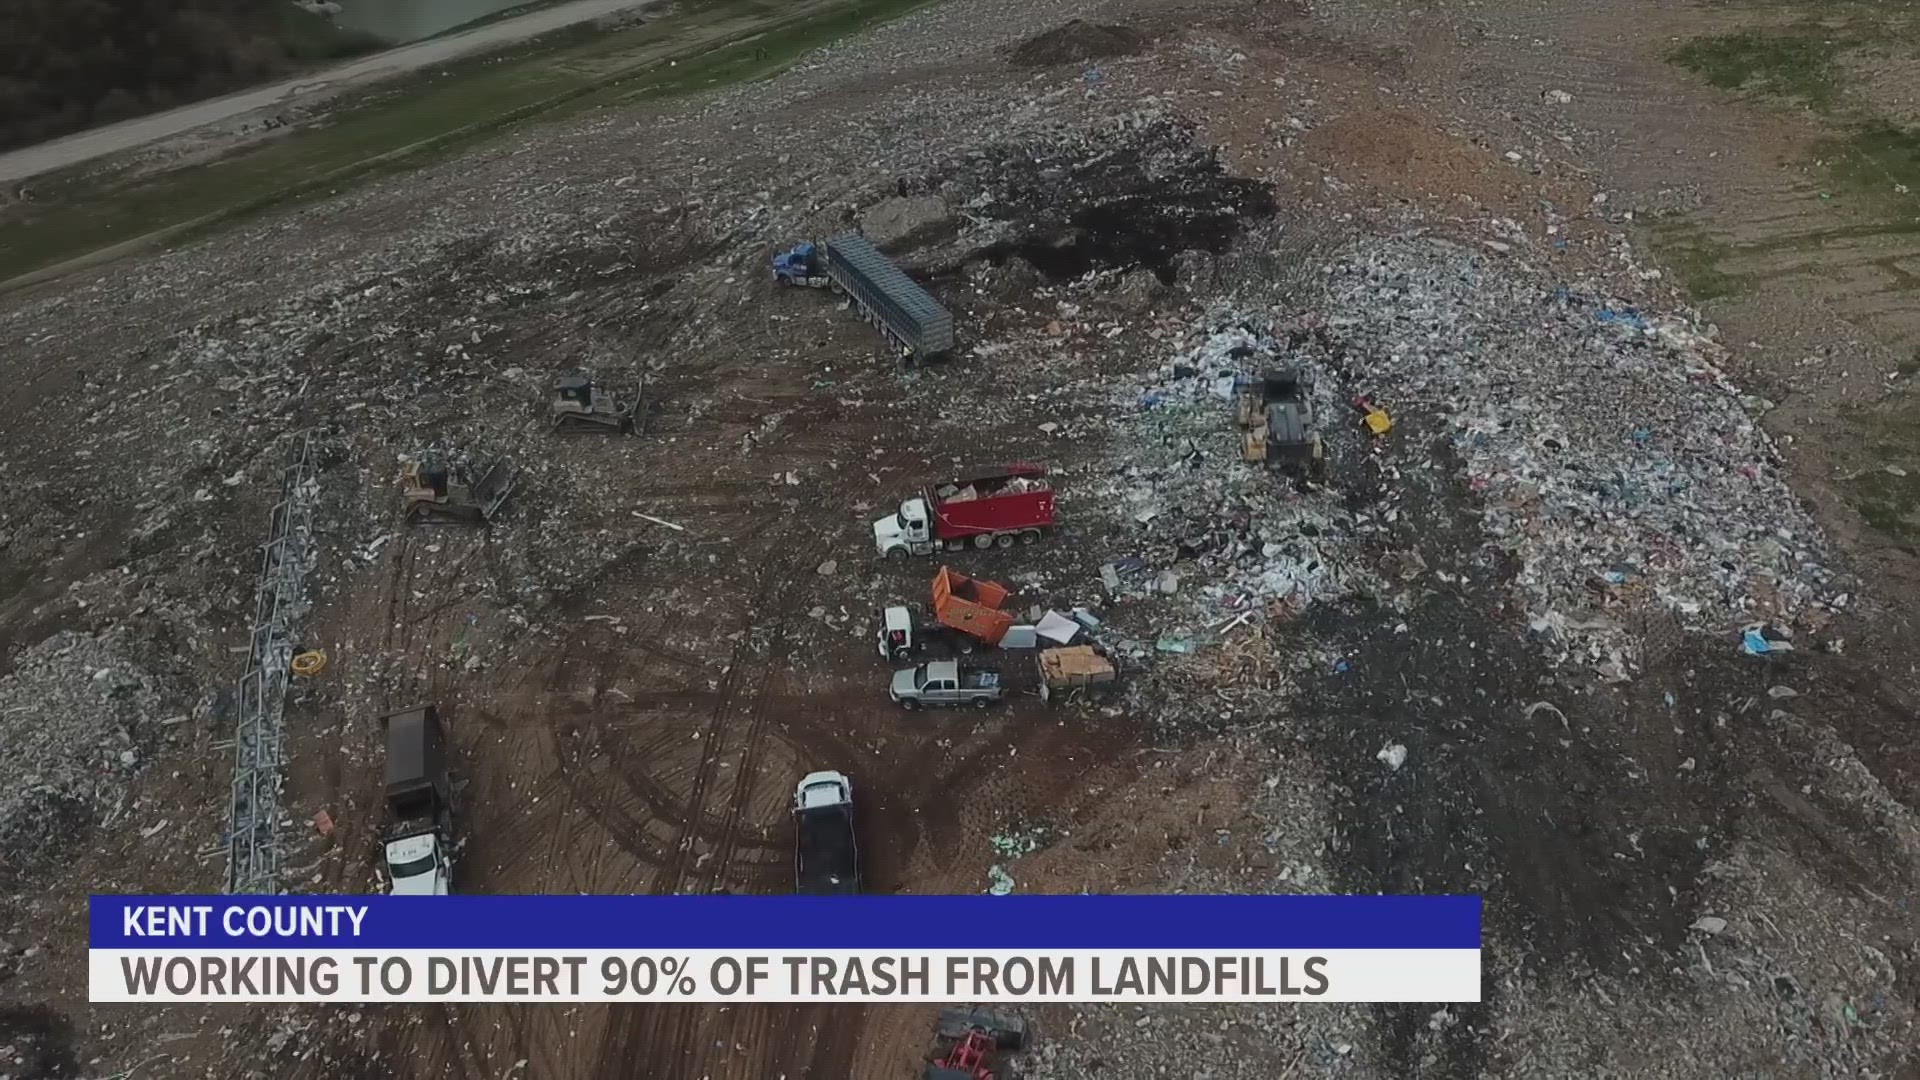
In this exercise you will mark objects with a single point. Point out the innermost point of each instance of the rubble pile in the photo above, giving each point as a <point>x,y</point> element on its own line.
<point>1269,543</point>
<point>1616,463</point>
<point>1134,188</point>
<point>1076,41</point>
<point>75,721</point>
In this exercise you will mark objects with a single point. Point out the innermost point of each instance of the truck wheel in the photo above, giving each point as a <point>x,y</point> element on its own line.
<point>1004,540</point>
<point>1030,536</point>
<point>983,541</point>
<point>909,704</point>
<point>981,703</point>
<point>897,554</point>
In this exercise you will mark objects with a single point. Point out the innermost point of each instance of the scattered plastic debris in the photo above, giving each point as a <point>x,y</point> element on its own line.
<point>1001,881</point>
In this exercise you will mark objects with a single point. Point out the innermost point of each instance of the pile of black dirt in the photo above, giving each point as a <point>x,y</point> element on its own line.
<point>39,1043</point>
<point>1138,201</point>
<point>1077,42</point>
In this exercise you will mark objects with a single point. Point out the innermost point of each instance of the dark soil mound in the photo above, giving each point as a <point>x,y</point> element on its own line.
<point>1120,202</point>
<point>1076,42</point>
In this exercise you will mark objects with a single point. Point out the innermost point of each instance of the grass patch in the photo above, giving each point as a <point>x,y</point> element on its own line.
<point>1888,501</point>
<point>427,117</point>
<point>1890,504</point>
<point>1877,156</point>
<point>1790,65</point>
<point>1698,259</point>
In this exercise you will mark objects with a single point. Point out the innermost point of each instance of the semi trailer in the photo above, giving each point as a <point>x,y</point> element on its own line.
<point>900,309</point>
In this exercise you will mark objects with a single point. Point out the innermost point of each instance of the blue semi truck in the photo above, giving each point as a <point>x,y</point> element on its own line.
<point>900,309</point>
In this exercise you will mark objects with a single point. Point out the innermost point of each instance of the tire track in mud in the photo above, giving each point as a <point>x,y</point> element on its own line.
<point>672,1039</point>
<point>592,779</point>
<point>683,861</point>
<point>399,588</point>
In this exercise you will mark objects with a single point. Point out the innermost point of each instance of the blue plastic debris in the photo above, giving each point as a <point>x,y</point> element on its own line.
<point>1623,317</point>
<point>1754,643</point>
<point>1341,667</point>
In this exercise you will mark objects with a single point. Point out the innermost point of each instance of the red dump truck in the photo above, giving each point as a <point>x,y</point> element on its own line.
<point>998,510</point>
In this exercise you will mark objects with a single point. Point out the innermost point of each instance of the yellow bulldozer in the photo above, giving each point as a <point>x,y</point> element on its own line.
<point>438,493</point>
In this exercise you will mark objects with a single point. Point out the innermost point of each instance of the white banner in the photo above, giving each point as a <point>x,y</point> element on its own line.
<point>711,975</point>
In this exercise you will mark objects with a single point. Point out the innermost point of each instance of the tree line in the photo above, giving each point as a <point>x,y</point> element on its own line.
<point>72,64</point>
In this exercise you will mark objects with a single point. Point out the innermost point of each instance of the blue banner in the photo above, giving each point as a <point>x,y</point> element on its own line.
<point>785,922</point>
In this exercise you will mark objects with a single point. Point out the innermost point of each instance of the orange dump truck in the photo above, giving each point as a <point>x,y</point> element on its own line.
<point>970,606</point>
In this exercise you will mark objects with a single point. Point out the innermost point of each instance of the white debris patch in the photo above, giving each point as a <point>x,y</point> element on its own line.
<point>71,718</point>
<point>1252,539</point>
<point>1615,462</point>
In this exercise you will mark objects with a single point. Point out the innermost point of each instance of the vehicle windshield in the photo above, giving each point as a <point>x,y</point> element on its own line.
<point>919,678</point>
<point>415,868</point>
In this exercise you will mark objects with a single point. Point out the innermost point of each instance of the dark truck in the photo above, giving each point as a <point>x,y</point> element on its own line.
<point>418,837</point>
<point>826,861</point>
<point>898,307</point>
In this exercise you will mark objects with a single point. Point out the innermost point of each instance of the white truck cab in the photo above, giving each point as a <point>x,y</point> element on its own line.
<point>418,865</point>
<point>826,857</point>
<point>896,634</point>
<point>908,532</point>
<point>818,789</point>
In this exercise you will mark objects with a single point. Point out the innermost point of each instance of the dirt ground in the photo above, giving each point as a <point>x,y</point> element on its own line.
<point>1697,862</point>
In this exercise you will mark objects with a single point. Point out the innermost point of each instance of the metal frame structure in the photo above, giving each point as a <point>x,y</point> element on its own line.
<point>253,822</point>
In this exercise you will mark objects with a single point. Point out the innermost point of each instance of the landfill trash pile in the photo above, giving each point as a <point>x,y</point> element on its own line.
<point>1270,547</point>
<point>75,722</point>
<point>1616,463</point>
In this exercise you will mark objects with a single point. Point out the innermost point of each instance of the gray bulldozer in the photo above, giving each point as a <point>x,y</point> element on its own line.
<point>579,407</point>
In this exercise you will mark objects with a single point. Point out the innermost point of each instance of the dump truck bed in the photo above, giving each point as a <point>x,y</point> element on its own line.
<point>826,859</point>
<point>999,503</point>
<point>970,605</point>
<point>416,760</point>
